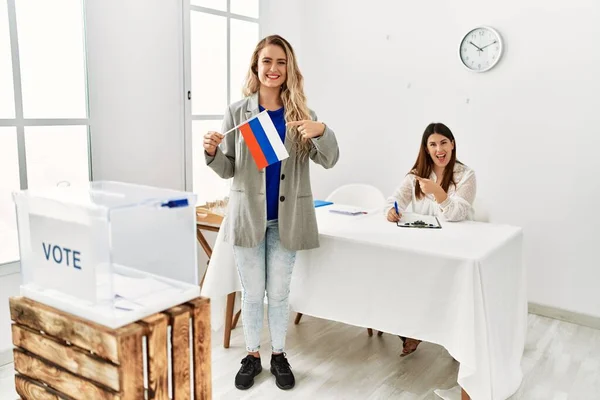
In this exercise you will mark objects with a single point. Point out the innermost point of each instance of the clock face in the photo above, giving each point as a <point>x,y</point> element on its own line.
<point>480,49</point>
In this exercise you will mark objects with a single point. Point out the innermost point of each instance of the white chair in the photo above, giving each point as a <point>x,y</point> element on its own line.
<point>358,195</point>
<point>481,213</point>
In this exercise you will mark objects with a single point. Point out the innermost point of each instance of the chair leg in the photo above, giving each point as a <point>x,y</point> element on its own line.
<point>235,319</point>
<point>370,332</point>
<point>379,333</point>
<point>298,318</point>
<point>464,395</point>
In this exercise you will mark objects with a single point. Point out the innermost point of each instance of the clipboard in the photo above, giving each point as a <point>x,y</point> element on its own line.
<point>411,220</point>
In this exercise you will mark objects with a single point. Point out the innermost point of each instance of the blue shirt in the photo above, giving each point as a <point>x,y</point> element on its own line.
<point>273,171</point>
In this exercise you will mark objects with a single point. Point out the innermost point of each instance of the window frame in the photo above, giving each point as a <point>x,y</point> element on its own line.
<point>20,123</point>
<point>188,75</point>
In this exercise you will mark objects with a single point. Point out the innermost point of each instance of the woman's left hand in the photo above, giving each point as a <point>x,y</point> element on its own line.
<point>308,129</point>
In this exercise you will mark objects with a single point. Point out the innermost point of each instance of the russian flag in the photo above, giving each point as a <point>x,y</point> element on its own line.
<point>263,140</point>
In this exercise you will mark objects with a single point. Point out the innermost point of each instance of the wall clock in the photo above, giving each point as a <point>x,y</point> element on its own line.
<point>480,49</point>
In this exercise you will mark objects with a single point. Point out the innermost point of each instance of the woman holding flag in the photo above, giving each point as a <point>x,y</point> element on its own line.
<point>269,138</point>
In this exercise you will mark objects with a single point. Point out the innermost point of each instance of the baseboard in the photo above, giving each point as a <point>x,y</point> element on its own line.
<point>6,356</point>
<point>564,315</point>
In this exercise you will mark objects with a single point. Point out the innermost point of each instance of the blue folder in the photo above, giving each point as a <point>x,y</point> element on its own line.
<point>321,203</point>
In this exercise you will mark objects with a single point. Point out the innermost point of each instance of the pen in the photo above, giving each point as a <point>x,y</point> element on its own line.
<point>396,207</point>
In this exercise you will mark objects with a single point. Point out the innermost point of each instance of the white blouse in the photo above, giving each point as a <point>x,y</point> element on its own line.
<point>457,207</point>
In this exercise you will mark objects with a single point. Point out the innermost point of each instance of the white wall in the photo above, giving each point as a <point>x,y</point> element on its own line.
<point>378,73</point>
<point>285,18</point>
<point>136,89</point>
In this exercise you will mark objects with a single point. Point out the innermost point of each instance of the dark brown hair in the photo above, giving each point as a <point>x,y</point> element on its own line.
<point>424,164</point>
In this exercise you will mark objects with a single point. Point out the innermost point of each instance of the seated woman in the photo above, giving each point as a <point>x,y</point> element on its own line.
<point>438,184</point>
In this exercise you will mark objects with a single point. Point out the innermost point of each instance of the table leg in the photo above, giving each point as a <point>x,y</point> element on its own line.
<point>464,395</point>
<point>206,247</point>
<point>228,319</point>
<point>203,242</point>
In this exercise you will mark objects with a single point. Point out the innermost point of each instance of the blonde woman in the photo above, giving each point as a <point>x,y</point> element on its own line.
<point>271,213</point>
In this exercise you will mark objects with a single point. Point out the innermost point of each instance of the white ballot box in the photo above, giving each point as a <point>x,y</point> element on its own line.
<point>109,252</point>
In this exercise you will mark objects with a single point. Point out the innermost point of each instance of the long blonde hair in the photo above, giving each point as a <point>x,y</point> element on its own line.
<point>292,91</point>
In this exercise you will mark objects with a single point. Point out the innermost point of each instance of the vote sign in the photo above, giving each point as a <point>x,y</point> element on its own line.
<point>63,256</point>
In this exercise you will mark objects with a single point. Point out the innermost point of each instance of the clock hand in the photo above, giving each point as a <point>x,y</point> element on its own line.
<point>494,42</point>
<point>476,46</point>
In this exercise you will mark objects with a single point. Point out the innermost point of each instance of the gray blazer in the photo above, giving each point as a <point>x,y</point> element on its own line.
<point>246,220</point>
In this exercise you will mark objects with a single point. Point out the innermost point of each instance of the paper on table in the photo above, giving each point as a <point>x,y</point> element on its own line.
<point>127,305</point>
<point>137,290</point>
<point>348,210</point>
<point>144,301</point>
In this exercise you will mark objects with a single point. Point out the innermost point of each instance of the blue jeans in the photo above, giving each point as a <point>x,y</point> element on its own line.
<point>267,266</point>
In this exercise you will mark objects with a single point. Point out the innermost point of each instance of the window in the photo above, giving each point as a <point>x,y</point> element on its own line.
<point>52,58</point>
<point>7,98</point>
<point>9,170</point>
<point>43,103</point>
<point>223,34</point>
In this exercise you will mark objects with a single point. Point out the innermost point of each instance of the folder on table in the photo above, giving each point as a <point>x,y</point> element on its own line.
<point>321,203</point>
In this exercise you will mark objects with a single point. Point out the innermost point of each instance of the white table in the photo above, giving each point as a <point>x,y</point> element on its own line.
<point>463,287</point>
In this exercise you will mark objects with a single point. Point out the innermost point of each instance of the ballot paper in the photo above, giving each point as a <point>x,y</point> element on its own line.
<point>132,293</point>
<point>347,210</point>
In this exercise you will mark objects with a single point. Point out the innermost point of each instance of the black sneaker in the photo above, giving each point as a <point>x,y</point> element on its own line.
<point>250,368</point>
<point>280,367</point>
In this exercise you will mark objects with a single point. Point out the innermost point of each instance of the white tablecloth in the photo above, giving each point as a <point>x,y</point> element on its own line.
<point>462,286</point>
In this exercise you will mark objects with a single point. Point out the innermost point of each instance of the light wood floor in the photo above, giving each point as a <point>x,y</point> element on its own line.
<point>337,361</point>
